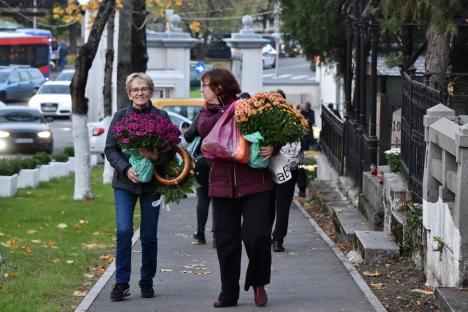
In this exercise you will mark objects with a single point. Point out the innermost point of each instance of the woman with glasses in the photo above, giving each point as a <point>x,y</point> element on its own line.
<point>240,196</point>
<point>128,189</point>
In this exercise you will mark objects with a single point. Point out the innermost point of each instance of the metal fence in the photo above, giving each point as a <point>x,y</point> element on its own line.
<point>416,99</point>
<point>331,138</point>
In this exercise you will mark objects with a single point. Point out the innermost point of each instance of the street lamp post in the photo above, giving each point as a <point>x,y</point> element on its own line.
<point>277,28</point>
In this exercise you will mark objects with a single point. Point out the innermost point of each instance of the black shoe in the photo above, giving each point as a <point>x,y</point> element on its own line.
<point>199,238</point>
<point>120,291</point>
<point>222,304</point>
<point>147,291</point>
<point>278,246</point>
<point>302,194</point>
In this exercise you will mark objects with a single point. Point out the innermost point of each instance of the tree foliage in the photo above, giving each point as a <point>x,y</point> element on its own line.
<point>318,26</point>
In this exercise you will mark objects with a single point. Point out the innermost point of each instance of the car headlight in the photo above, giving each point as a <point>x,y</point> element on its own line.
<point>4,134</point>
<point>44,134</point>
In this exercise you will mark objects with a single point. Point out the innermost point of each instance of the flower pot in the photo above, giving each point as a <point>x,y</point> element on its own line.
<point>71,164</point>
<point>9,185</point>
<point>44,175</point>
<point>28,178</point>
<point>60,169</point>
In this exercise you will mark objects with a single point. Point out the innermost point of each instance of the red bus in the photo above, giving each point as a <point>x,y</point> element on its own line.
<point>23,49</point>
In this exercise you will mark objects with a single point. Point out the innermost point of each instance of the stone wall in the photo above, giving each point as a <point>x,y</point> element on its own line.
<point>445,197</point>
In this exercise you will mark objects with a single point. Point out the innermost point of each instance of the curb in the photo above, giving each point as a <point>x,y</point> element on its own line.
<point>373,300</point>
<point>101,282</point>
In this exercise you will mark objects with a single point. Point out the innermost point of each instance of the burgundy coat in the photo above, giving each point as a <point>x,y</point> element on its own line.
<point>228,178</point>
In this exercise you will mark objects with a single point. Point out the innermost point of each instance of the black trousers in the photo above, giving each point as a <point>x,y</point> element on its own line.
<point>242,219</point>
<point>202,170</point>
<point>301,179</point>
<point>280,203</point>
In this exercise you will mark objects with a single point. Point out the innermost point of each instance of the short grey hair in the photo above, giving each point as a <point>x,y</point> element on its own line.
<point>141,76</point>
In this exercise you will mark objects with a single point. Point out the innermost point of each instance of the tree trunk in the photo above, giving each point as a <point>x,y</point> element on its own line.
<point>124,62</point>
<point>107,91</point>
<point>139,50</point>
<point>437,56</point>
<point>83,63</point>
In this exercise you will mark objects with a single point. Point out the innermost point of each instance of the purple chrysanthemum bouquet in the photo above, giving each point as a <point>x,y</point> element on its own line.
<point>145,131</point>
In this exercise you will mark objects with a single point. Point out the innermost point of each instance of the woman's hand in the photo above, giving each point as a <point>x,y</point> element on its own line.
<point>132,176</point>
<point>266,151</point>
<point>149,154</point>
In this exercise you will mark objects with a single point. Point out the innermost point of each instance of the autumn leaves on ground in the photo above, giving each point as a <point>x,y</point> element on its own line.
<point>53,248</point>
<point>397,283</point>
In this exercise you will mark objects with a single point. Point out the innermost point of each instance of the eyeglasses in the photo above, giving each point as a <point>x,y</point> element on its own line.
<point>204,85</point>
<point>137,90</point>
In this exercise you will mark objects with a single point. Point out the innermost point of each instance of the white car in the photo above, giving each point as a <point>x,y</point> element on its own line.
<point>269,56</point>
<point>98,131</point>
<point>53,99</point>
<point>66,75</point>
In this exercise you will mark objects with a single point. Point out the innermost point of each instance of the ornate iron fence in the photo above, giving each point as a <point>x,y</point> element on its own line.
<point>331,138</point>
<point>416,99</point>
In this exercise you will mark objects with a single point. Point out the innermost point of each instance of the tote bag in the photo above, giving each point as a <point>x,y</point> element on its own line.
<point>225,140</point>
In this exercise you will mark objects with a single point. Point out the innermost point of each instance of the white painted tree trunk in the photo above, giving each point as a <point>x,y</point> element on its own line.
<point>82,157</point>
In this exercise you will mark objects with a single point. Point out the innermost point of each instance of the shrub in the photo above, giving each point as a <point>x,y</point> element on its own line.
<point>42,158</point>
<point>8,167</point>
<point>60,157</point>
<point>27,163</point>
<point>69,150</point>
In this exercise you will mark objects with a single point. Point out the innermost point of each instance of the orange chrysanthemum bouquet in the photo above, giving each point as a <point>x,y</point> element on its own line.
<point>273,117</point>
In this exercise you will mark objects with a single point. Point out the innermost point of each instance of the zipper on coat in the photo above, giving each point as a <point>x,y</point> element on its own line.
<point>235,179</point>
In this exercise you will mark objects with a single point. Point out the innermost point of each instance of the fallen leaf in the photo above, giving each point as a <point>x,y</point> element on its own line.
<point>62,212</point>
<point>96,233</point>
<point>18,225</point>
<point>50,243</point>
<point>372,274</point>
<point>107,258</point>
<point>54,260</point>
<point>36,241</point>
<point>166,270</point>
<point>378,286</point>
<point>93,246</point>
<point>80,293</point>
<point>99,270</point>
<point>62,226</point>
<point>26,250</point>
<point>2,234</point>
<point>83,221</point>
<point>31,231</point>
<point>292,253</point>
<point>12,243</point>
<point>9,275</point>
<point>70,261</point>
<point>423,291</point>
<point>88,275</point>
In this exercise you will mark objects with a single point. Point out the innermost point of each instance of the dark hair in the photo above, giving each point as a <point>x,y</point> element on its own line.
<point>281,92</point>
<point>222,82</point>
<point>244,95</point>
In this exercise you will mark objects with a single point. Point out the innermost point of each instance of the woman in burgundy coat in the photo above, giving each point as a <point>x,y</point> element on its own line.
<point>241,197</point>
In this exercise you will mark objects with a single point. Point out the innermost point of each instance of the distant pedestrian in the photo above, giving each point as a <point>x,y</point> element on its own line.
<point>128,190</point>
<point>202,172</point>
<point>240,197</point>
<point>282,194</point>
<point>308,141</point>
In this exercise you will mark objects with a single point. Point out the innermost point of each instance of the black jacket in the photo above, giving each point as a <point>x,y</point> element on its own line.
<point>119,160</point>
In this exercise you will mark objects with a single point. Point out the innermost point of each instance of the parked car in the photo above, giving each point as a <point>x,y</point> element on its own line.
<point>186,107</point>
<point>269,56</point>
<point>17,82</point>
<point>24,130</point>
<point>2,104</point>
<point>98,131</point>
<point>66,75</point>
<point>53,99</point>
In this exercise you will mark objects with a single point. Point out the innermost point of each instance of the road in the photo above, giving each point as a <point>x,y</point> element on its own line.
<point>293,70</point>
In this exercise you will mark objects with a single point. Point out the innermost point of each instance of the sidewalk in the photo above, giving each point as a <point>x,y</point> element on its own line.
<point>308,277</point>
